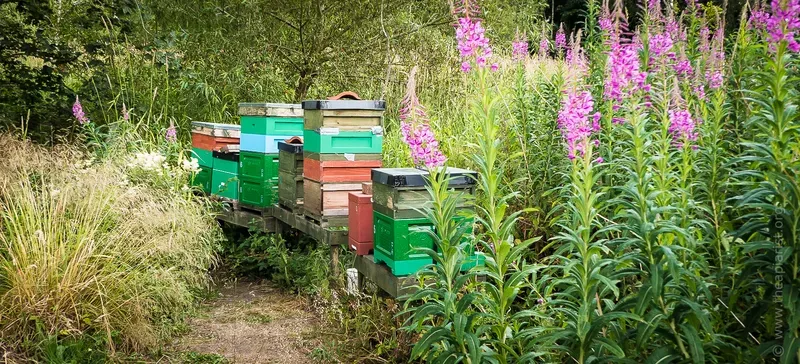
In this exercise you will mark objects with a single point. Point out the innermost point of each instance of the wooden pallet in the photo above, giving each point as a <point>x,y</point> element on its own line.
<point>382,276</point>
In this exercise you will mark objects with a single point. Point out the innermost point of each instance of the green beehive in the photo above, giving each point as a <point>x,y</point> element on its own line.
<point>331,140</point>
<point>204,157</point>
<point>224,184</point>
<point>258,166</point>
<point>290,190</point>
<point>409,202</point>
<point>202,179</point>
<point>290,158</point>
<point>395,241</point>
<point>266,125</point>
<point>257,193</point>
<point>226,162</point>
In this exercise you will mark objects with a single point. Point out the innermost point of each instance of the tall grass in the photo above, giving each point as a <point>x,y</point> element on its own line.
<point>84,251</point>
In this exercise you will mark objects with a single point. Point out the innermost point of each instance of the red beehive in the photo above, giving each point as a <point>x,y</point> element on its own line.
<point>339,171</point>
<point>360,222</point>
<point>212,143</point>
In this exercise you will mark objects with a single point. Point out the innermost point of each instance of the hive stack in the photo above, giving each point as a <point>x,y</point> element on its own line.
<point>290,175</point>
<point>208,138</point>
<point>342,141</point>
<point>398,197</point>
<point>360,222</point>
<point>263,126</point>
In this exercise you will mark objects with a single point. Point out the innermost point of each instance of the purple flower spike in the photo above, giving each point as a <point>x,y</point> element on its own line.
<point>561,39</point>
<point>577,122</point>
<point>472,43</point>
<point>416,131</point>
<point>171,135</point>
<point>682,126</point>
<point>77,112</point>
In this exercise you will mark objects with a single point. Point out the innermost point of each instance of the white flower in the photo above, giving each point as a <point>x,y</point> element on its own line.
<point>149,161</point>
<point>191,165</point>
<point>185,188</point>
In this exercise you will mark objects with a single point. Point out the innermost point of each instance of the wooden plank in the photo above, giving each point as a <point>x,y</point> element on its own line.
<point>339,171</point>
<point>263,221</point>
<point>352,113</point>
<point>310,227</point>
<point>345,120</point>
<point>382,276</point>
<point>342,156</point>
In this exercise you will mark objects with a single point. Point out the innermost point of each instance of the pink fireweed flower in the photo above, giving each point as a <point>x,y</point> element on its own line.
<point>561,39</point>
<point>472,43</point>
<point>660,44</point>
<point>544,47</point>
<point>77,112</point>
<point>415,129</point>
<point>781,25</point>
<point>623,74</point>
<point>171,136</point>
<point>682,127</point>
<point>519,48</point>
<point>682,66</point>
<point>577,123</point>
<point>125,113</point>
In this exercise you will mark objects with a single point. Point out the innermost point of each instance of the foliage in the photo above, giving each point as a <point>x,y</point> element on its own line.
<point>105,256</point>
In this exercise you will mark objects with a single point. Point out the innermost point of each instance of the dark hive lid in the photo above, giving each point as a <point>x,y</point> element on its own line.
<point>344,105</point>
<point>414,177</point>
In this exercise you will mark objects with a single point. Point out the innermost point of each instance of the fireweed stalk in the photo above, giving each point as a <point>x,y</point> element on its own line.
<point>585,289</point>
<point>773,226</point>
<point>416,129</point>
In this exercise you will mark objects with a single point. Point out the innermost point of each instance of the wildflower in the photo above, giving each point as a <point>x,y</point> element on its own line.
<point>781,25</point>
<point>494,67</point>
<point>660,44</point>
<point>623,71</point>
<point>467,8</point>
<point>561,38</point>
<point>171,135</point>
<point>574,122</point>
<point>682,126</point>
<point>125,113</point>
<point>77,111</point>
<point>472,44</point>
<point>415,129</point>
<point>519,48</point>
<point>148,161</point>
<point>544,47</point>
<point>191,165</point>
<point>683,68</point>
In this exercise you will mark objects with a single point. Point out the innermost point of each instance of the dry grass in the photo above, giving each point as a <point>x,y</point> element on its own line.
<point>82,250</point>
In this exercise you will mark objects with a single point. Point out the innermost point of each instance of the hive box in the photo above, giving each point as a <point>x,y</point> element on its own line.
<point>202,179</point>
<point>339,171</point>
<point>332,140</point>
<point>266,144</point>
<point>225,175</point>
<point>400,193</point>
<point>291,158</point>
<point>360,226</point>
<point>212,143</point>
<point>258,166</point>
<point>257,193</point>
<point>327,203</point>
<point>216,129</point>
<point>396,240</point>
<point>270,109</point>
<point>290,173</point>
<point>204,157</point>
<point>342,156</point>
<point>346,115</point>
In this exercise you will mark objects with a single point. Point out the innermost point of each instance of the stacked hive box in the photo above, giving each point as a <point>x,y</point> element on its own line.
<point>342,141</point>
<point>208,138</point>
<point>360,222</point>
<point>399,195</point>
<point>263,126</point>
<point>224,178</point>
<point>290,174</point>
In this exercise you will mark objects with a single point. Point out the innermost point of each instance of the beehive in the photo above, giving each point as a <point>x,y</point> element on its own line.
<point>225,175</point>
<point>360,223</point>
<point>290,172</point>
<point>342,142</point>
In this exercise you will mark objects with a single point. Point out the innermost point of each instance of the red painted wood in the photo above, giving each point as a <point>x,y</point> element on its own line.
<point>361,248</point>
<point>208,142</point>
<point>339,171</point>
<point>360,218</point>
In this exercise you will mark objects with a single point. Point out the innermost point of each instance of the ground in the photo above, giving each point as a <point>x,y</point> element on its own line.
<point>250,322</point>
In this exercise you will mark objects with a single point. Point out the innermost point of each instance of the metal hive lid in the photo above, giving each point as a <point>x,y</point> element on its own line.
<point>414,177</point>
<point>344,105</point>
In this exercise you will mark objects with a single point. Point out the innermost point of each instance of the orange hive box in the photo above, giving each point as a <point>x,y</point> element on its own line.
<point>212,143</point>
<point>339,171</point>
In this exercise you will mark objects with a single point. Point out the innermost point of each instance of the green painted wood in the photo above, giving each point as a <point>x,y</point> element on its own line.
<point>227,166</point>
<point>409,202</point>
<point>354,142</point>
<point>257,193</point>
<point>258,166</point>
<point>290,162</point>
<point>395,241</point>
<point>202,179</point>
<point>269,125</point>
<point>342,157</point>
<point>225,184</point>
<point>290,190</point>
<point>204,157</point>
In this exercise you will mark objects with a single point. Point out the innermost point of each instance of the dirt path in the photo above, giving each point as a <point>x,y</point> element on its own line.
<point>252,322</point>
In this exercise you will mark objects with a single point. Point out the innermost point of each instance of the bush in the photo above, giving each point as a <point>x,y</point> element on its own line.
<point>83,251</point>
